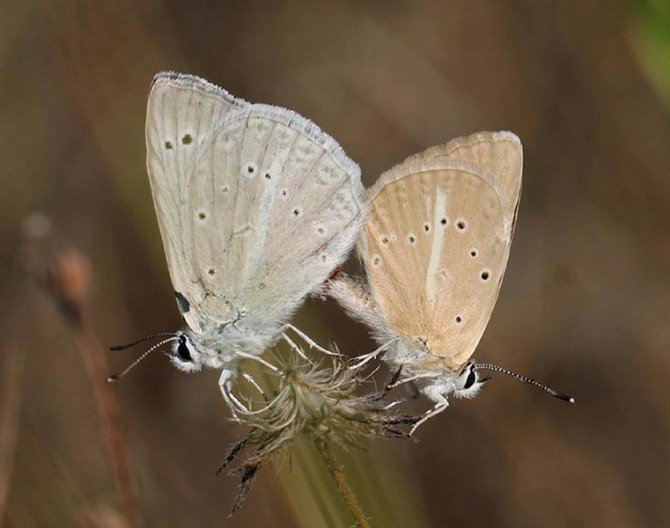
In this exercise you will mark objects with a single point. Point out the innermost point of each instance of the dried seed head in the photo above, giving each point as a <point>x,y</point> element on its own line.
<point>71,279</point>
<point>321,401</point>
<point>64,273</point>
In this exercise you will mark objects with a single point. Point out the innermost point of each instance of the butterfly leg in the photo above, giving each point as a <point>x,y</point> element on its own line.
<point>259,359</point>
<point>407,380</point>
<point>412,394</point>
<point>440,406</point>
<point>225,385</point>
<point>236,406</point>
<point>235,402</point>
<point>310,341</point>
<point>295,347</point>
<point>362,360</point>
<point>253,382</point>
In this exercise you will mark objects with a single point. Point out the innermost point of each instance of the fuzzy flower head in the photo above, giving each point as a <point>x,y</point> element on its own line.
<point>318,400</point>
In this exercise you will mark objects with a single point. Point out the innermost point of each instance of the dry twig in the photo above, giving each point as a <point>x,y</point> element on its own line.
<point>64,275</point>
<point>10,406</point>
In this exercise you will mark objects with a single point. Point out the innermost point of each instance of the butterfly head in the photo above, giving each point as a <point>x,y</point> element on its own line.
<point>219,349</point>
<point>469,382</point>
<point>186,353</point>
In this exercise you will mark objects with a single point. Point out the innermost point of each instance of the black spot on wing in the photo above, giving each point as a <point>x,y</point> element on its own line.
<point>182,302</point>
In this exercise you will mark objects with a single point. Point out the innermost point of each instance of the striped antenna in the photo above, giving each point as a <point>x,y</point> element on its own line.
<point>119,375</point>
<point>142,340</point>
<point>524,379</point>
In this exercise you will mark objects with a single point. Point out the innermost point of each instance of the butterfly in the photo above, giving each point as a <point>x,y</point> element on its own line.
<point>434,250</point>
<point>256,206</point>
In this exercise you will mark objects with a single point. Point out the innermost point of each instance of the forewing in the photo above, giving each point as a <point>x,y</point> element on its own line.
<point>182,113</point>
<point>256,205</point>
<point>437,242</point>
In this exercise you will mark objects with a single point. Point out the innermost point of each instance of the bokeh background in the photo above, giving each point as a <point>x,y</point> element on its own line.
<point>584,305</point>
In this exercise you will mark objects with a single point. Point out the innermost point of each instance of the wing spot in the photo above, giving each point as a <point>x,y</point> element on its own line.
<point>458,319</point>
<point>297,212</point>
<point>187,139</point>
<point>485,275</point>
<point>320,230</point>
<point>184,305</point>
<point>411,238</point>
<point>324,258</point>
<point>202,215</point>
<point>384,239</point>
<point>444,221</point>
<point>211,272</point>
<point>426,227</point>
<point>461,225</point>
<point>251,170</point>
<point>284,192</point>
<point>268,176</point>
<point>376,260</point>
<point>225,189</point>
<point>168,145</point>
<point>473,252</point>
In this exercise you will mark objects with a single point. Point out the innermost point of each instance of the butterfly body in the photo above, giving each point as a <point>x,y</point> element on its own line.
<point>431,374</point>
<point>225,346</point>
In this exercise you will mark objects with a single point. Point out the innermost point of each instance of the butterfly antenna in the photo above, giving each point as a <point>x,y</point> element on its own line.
<point>119,375</point>
<point>142,340</point>
<point>524,379</point>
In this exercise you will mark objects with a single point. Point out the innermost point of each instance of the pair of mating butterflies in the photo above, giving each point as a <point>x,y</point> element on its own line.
<point>257,207</point>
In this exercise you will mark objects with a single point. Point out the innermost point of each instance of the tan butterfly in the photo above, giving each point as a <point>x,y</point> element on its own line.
<point>435,250</point>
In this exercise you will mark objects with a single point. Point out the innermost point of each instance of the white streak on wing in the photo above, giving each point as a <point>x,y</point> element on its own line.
<point>243,230</point>
<point>436,247</point>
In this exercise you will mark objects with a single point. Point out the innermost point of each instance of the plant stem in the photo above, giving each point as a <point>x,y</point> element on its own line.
<point>109,412</point>
<point>10,403</point>
<point>336,473</point>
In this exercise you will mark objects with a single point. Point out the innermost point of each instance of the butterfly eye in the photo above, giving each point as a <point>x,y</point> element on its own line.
<point>183,352</point>
<point>470,381</point>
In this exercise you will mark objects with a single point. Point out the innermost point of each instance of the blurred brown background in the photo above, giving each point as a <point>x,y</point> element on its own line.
<point>584,305</point>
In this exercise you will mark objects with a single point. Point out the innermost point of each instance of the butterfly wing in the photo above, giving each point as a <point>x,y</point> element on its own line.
<point>182,112</point>
<point>497,156</point>
<point>292,209</point>
<point>267,205</point>
<point>437,242</point>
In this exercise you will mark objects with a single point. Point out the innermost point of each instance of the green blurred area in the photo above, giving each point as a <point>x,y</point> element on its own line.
<point>651,40</point>
<point>584,304</point>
